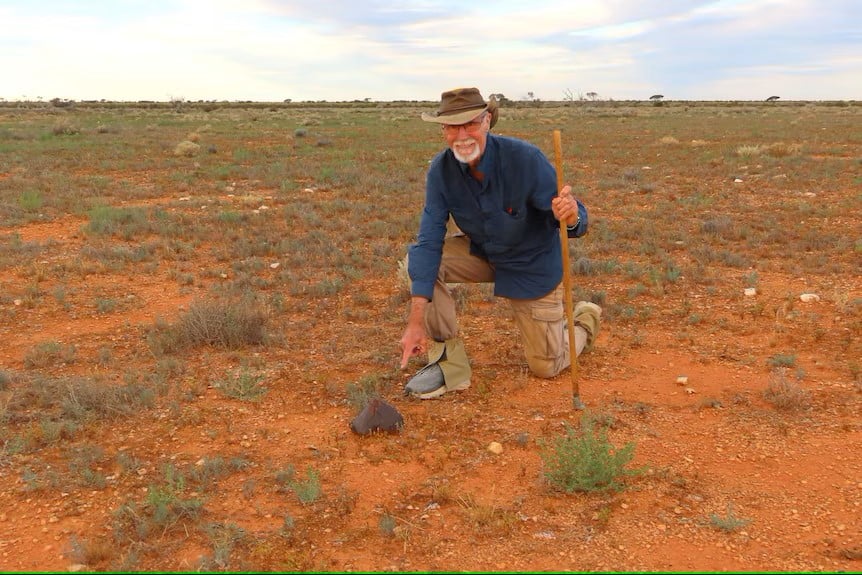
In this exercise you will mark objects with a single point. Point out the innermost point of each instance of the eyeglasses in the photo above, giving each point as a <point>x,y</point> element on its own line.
<point>471,127</point>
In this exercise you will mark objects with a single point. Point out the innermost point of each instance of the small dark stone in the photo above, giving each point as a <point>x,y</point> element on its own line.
<point>377,416</point>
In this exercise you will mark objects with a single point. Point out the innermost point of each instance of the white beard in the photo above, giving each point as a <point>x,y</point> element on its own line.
<point>471,156</point>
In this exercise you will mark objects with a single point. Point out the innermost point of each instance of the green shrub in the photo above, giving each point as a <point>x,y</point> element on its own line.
<point>584,460</point>
<point>163,509</point>
<point>308,489</point>
<point>242,385</point>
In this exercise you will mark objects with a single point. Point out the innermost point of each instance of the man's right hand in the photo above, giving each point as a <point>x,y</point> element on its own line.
<point>412,343</point>
<point>414,338</point>
<point>565,207</point>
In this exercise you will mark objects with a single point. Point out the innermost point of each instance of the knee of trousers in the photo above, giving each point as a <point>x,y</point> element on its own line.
<point>546,367</point>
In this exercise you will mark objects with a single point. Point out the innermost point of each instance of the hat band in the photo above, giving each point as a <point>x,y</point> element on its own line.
<point>458,110</point>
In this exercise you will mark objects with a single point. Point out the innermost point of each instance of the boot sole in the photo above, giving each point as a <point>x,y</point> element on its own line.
<point>440,391</point>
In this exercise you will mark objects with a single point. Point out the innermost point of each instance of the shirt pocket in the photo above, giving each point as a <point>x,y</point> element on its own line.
<point>506,231</point>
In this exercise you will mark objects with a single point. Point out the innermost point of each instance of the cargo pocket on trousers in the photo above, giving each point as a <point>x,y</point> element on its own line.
<point>547,339</point>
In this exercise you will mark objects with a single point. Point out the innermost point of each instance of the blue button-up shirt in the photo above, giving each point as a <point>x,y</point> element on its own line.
<point>507,217</point>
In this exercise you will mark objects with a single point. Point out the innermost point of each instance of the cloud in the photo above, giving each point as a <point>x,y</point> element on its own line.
<point>379,49</point>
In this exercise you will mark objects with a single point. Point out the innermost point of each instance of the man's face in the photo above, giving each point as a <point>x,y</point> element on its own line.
<point>467,141</point>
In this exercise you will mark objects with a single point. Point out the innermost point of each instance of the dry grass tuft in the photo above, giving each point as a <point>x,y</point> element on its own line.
<point>785,393</point>
<point>225,323</point>
<point>186,148</point>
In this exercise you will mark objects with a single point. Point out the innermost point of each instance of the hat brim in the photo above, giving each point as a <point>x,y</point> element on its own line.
<point>455,119</point>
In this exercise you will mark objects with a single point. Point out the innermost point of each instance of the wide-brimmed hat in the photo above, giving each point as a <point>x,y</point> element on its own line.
<point>462,105</point>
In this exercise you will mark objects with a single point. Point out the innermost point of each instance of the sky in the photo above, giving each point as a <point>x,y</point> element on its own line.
<point>386,50</point>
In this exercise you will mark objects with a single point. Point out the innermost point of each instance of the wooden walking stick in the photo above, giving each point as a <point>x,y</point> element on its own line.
<point>567,281</point>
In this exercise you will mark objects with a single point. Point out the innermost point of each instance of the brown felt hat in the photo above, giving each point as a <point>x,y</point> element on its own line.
<point>462,105</point>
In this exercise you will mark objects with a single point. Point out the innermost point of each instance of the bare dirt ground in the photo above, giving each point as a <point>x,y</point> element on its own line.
<point>730,481</point>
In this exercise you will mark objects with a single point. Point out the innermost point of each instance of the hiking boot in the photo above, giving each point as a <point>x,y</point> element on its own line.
<point>428,383</point>
<point>448,370</point>
<point>588,316</point>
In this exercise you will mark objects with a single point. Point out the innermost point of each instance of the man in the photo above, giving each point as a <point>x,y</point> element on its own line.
<point>502,194</point>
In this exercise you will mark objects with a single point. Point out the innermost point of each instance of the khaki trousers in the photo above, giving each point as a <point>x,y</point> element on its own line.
<point>541,322</point>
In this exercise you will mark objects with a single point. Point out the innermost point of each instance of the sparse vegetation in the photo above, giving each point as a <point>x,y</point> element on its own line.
<point>361,392</point>
<point>49,353</point>
<point>728,522</point>
<point>5,379</point>
<point>387,525</point>
<point>242,384</point>
<point>225,323</point>
<point>785,393</point>
<point>782,360</point>
<point>165,507</point>
<point>307,490</point>
<point>488,519</point>
<point>224,537</point>
<point>149,298</point>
